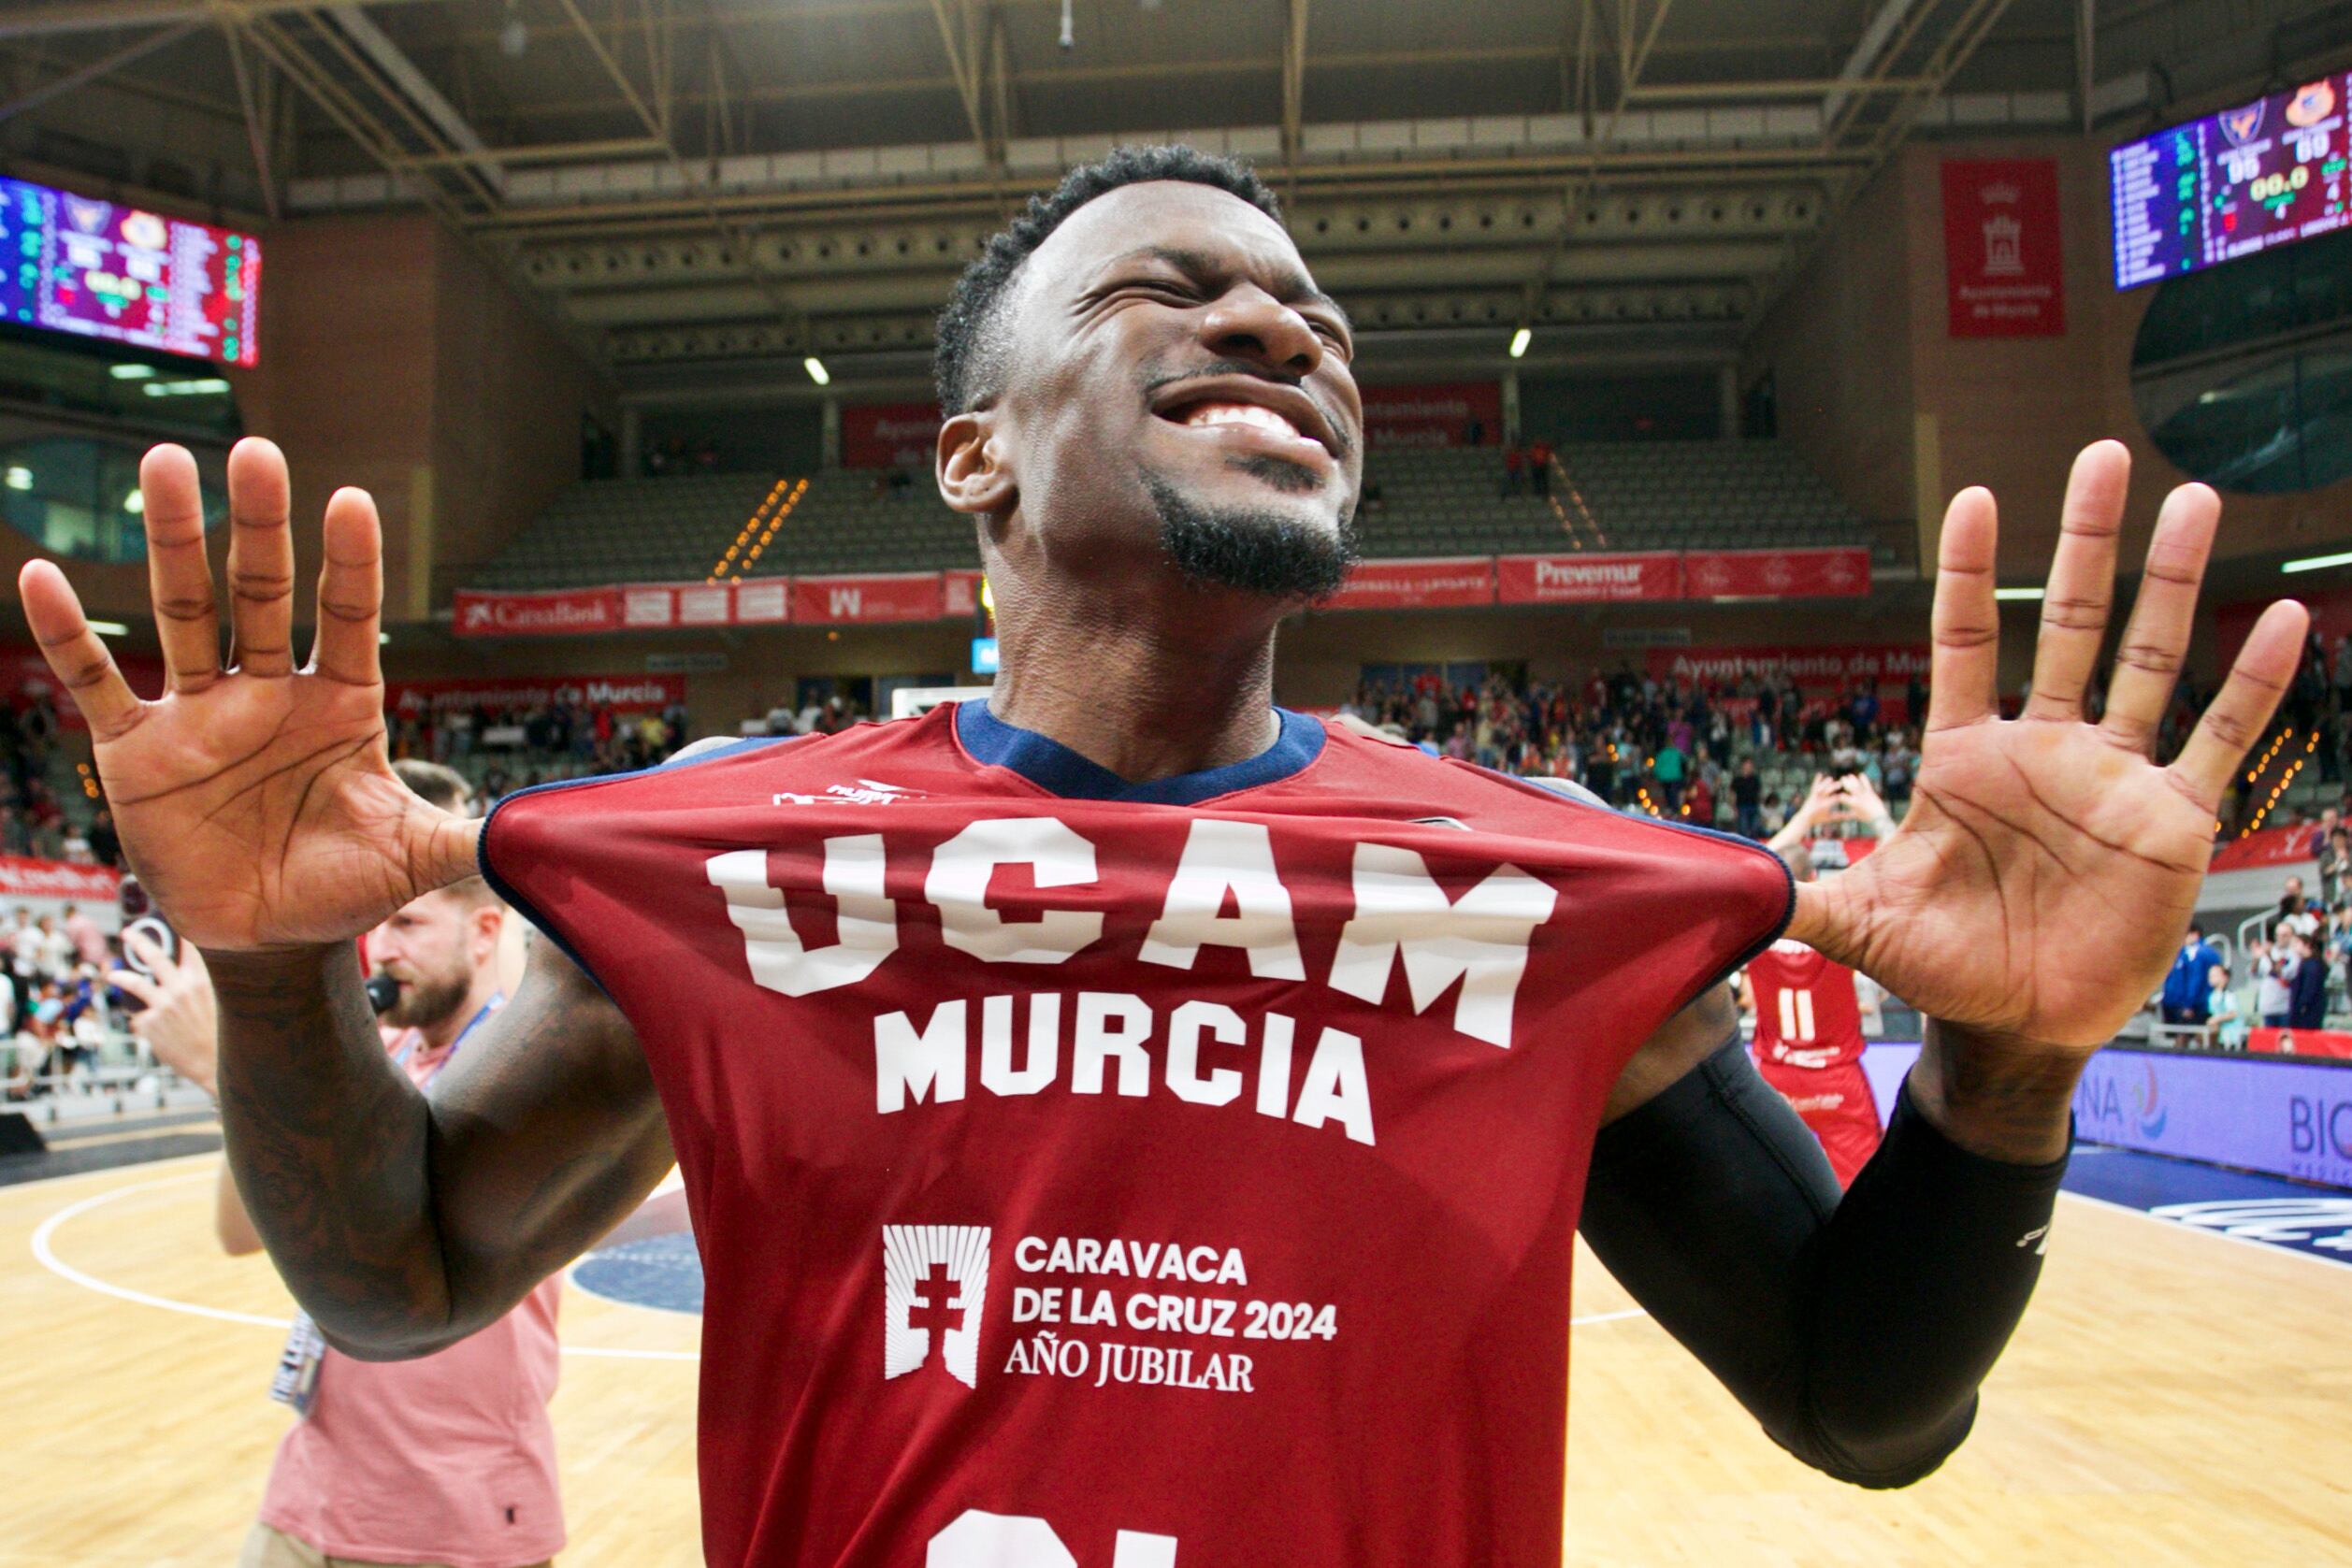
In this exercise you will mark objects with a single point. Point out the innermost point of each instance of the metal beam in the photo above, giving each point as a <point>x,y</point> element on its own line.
<point>1171,71</point>
<point>964,67</point>
<point>1632,56</point>
<point>1693,92</point>
<point>403,74</point>
<point>1523,175</point>
<point>693,176</point>
<point>544,153</point>
<point>97,69</point>
<point>29,19</point>
<point>256,135</point>
<point>1293,87</point>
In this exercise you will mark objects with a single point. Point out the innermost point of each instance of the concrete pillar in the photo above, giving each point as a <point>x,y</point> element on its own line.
<point>1510,408</point>
<point>1727,379</point>
<point>633,452</point>
<point>829,449</point>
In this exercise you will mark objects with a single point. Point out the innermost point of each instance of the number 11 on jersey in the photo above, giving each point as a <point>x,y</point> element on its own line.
<point>1796,1016</point>
<point>978,1540</point>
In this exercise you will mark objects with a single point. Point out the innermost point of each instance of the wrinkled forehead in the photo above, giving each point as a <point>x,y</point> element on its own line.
<point>1160,216</point>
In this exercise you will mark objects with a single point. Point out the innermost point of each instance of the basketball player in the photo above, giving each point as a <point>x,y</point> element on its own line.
<point>1809,1040</point>
<point>446,1459</point>
<point>1127,1124</point>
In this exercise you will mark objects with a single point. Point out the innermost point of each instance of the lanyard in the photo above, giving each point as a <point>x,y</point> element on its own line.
<point>400,1057</point>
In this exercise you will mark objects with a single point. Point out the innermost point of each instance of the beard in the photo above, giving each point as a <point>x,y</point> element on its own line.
<point>429,999</point>
<point>1257,550</point>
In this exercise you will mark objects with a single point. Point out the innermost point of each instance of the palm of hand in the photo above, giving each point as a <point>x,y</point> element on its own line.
<point>2048,867</point>
<point>2037,888</point>
<point>256,803</point>
<point>264,810</point>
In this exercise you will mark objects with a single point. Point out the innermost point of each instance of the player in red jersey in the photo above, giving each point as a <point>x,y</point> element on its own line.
<point>1127,1125</point>
<point>1808,1038</point>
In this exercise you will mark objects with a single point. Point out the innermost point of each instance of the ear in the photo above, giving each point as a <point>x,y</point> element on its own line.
<point>488,920</point>
<point>974,476</point>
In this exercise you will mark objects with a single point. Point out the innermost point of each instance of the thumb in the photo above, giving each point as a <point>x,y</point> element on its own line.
<point>450,851</point>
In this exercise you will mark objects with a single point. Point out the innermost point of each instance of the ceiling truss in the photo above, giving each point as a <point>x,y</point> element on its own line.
<point>1621,229</point>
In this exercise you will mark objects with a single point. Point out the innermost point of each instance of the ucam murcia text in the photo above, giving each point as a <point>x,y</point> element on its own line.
<point>1475,945</point>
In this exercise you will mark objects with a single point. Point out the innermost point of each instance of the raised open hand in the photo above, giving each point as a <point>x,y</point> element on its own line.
<point>256,801</point>
<point>2041,883</point>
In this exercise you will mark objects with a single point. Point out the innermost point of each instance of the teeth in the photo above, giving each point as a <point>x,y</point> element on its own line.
<point>1241,413</point>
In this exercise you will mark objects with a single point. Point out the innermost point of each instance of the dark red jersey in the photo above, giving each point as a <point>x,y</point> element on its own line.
<point>1806,1012</point>
<point>1171,1175</point>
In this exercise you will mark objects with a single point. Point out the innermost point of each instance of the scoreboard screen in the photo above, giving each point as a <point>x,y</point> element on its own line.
<point>102,270</point>
<point>2267,173</point>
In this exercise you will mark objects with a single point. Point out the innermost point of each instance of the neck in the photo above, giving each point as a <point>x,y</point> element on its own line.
<point>443,1032</point>
<point>1150,696</point>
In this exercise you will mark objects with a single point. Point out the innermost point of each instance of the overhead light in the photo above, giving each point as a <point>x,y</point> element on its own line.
<point>1519,340</point>
<point>2008,596</point>
<point>201,387</point>
<point>18,477</point>
<point>382,637</point>
<point>817,373</point>
<point>132,372</point>
<point>2309,563</point>
<point>109,628</point>
<point>135,503</point>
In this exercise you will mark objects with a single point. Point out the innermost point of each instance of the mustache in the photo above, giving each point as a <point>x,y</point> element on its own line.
<point>1155,385</point>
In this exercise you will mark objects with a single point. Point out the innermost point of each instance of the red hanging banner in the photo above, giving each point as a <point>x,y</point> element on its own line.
<point>563,613</point>
<point>1445,414</point>
<point>1416,584</point>
<point>1780,574</point>
<point>1589,579</point>
<point>899,595</point>
<point>890,436</point>
<point>622,694</point>
<point>2003,272</point>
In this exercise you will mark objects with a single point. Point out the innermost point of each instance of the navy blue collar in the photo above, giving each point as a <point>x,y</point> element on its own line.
<point>1052,765</point>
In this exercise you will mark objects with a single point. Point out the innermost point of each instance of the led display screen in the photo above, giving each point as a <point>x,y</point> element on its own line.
<point>2265,173</point>
<point>99,269</point>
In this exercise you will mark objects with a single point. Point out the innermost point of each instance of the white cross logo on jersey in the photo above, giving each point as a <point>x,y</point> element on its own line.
<point>935,1279</point>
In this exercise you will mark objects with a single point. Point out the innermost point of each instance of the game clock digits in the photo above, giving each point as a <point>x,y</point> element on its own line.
<point>2267,173</point>
<point>102,270</point>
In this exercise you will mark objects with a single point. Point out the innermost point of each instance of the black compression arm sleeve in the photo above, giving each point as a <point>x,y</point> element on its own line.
<point>1855,1331</point>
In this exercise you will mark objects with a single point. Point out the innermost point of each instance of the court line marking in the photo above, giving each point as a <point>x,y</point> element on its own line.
<point>2178,1228</point>
<point>45,1253</point>
<point>7,1188</point>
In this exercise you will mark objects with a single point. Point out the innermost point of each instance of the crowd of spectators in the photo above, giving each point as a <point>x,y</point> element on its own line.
<point>31,820</point>
<point>513,747</point>
<point>679,455</point>
<point>57,1004</point>
<point>2294,971</point>
<point>1676,748</point>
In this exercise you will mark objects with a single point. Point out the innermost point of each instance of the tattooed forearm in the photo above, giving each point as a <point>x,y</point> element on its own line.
<point>2001,1097</point>
<point>404,1222</point>
<point>326,1139</point>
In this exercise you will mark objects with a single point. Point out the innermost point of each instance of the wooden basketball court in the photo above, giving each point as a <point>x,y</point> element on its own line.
<point>2175,1398</point>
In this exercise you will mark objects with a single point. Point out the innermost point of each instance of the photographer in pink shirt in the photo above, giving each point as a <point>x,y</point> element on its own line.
<point>448,1461</point>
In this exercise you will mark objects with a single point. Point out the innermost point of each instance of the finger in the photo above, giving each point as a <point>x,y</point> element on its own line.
<point>74,650</point>
<point>137,984</point>
<point>1965,626</point>
<point>261,560</point>
<point>2157,638</point>
<point>178,578</point>
<point>350,591</point>
<point>2236,717</point>
<point>2082,585</point>
<point>150,952</point>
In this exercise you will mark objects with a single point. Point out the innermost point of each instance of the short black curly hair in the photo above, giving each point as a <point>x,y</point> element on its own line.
<point>959,363</point>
